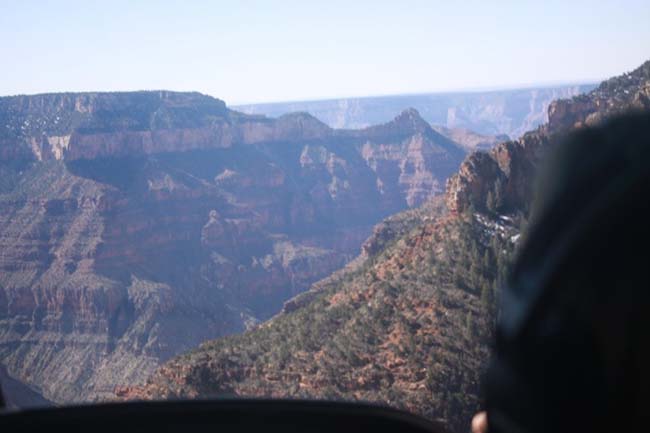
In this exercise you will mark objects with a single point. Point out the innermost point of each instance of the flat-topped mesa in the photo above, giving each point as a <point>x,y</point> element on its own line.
<point>90,125</point>
<point>64,113</point>
<point>87,125</point>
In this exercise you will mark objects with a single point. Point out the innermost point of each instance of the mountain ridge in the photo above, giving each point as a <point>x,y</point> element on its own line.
<point>85,125</point>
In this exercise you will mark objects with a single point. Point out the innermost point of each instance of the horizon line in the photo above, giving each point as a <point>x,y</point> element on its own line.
<point>479,89</point>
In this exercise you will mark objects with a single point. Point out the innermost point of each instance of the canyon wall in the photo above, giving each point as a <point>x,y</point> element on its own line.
<point>134,226</point>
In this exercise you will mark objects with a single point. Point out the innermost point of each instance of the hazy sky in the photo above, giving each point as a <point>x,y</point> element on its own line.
<point>250,51</point>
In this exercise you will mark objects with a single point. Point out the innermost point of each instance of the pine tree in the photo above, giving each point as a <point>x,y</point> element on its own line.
<point>499,198</point>
<point>487,262</point>
<point>486,295</point>
<point>469,325</point>
<point>491,202</point>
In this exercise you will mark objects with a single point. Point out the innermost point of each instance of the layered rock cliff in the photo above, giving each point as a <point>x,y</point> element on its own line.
<point>408,322</point>
<point>501,180</point>
<point>134,226</point>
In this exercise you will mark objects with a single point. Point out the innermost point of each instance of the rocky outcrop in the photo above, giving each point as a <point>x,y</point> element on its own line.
<point>136,226</point>
<point>475,178</point>
<point>399,225</point>
<point>502,178</point>
<point>628,92</point>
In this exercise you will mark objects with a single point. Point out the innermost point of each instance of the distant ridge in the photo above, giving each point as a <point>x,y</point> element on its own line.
<point>490,112</point>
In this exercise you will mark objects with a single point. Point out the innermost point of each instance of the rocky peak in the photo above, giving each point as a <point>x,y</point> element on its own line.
<point>474,178</point>
<point>408,122</point>
<point>411,120</point>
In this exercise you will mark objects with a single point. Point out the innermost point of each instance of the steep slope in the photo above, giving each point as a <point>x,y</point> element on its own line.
<point>134,226</point>
<point>17,395</point>
<point>407,326</point>
<point>503,178</point>
<point>408,322</point>
<point>509,112</point>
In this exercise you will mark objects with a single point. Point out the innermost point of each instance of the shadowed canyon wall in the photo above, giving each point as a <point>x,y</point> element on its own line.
<point>134,226</point>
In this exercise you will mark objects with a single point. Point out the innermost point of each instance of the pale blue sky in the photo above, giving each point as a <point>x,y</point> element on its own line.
<point>253,51</point>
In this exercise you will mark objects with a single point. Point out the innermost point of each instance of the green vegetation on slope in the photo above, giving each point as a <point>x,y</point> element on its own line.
<point>409,328</point>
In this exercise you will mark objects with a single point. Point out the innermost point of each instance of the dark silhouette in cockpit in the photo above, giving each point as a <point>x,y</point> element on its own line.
<point>573,341</point>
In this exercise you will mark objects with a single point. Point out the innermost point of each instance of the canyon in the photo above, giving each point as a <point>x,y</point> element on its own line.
<point>134,226</point>
<point>161,245</point>
<point>409,322</point>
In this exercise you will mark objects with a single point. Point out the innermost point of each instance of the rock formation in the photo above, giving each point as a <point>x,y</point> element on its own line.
<point>134,226</point>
